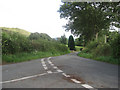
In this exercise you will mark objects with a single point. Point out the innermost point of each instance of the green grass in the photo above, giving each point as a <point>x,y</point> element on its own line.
<point>108,59</point>
<point>20,57</point>
<point>78,48</point>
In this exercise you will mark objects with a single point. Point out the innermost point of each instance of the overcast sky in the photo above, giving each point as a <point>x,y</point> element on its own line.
<point>33,15</point>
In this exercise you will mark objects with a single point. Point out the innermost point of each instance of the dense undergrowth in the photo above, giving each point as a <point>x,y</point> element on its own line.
<point>101,51</point>
<point>17,47</point>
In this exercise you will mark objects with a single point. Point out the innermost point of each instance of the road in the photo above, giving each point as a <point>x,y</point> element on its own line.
<point>66,71</point>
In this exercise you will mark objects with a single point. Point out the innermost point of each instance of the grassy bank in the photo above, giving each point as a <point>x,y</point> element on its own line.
<point>78,48</point>
<point>108,59</point>
<point>20,57</point>
<point>19,47</point>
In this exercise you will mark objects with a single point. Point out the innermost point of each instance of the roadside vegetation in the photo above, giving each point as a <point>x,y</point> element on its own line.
<point>106,48</point>
<point>93,22</point>
<point>17,47</point>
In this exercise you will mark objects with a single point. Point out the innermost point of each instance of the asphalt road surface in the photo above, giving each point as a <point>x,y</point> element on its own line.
<point>66,71</point>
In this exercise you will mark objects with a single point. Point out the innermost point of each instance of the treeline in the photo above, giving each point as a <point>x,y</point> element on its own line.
<point>106,48</point>
<point>92,21</point>
<point>15,42</point>
<point>106,45</point>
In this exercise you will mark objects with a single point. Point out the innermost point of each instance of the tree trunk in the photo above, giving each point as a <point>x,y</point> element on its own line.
<point>105,38</point>
<point>96,36</point>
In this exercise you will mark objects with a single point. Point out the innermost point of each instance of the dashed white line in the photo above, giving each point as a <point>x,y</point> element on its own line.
<point>24,78</point>
<point>45,68</point>
<point>65,75</point>
<point>49,62</point>
<point>49,57</point>
<point>42,60</point>
<point>52,64</point>
<point>49,71</point>
<point>76,81</point>
<point>55,67</point>
<point>59,70</point>
<point>87,86</point>
<point>44,65</point>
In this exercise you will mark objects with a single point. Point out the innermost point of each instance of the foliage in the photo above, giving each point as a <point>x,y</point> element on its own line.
<point>80,41</point>
<point>13,43</point>
<point>79,47</point>
<point>89,18</point>
<point>107,59</point>
<point>63,39</point>
<point>92,45</point>
<point>20,57</point>
<point>36,36</point>
<point>102,50</point>
<point>71,43</point>
<point>17,30</point>
<point>115,44</point>
<point>107,52</point>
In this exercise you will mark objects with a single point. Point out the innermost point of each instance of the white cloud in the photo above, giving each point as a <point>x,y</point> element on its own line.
<point>33,15</point>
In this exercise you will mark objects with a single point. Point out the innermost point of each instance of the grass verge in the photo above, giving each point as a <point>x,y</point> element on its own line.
<point>108,59</point>
<point>20,57</point>
<point>78,48</point>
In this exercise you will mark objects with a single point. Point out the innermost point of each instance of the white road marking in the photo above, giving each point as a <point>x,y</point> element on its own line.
<point>49,71</point>
<point>65,75</point>
<point>55,67</point>
<point>49,62</point>
<point>52,64</point>
<point>87,86</point>
<point>42,60</point>
<point>45,68</point>
<point>76,81</point>
<point>59,70</point>
<point>24,78</point>
<point>49,57</point>
<point>44,65</point>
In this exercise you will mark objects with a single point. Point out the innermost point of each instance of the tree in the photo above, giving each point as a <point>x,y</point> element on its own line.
<point>63,39</point>
<point>36,36</point>
<point>115,44</point>
<point>79,41</point>
<point>89,18</point>
<point>71,43</point>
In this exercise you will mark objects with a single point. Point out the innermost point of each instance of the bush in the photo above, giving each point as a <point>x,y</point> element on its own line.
<point>92,45</point>
<point>115,44</point>
<point>16,43</point>
<point>102,50</point>
<point>13,42</point>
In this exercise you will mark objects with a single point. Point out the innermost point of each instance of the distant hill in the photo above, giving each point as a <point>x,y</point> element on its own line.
<point>21,31</point>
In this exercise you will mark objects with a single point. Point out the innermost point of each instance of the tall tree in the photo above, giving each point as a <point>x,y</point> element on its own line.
<point>63,39</point>
<point>71,43</point>
<point>89,18</point>
<point>79,41</point>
